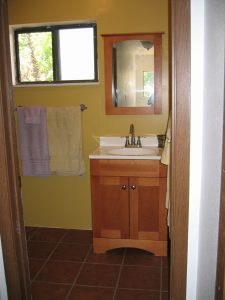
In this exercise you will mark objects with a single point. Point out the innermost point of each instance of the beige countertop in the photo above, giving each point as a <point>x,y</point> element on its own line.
<point>112,153</point>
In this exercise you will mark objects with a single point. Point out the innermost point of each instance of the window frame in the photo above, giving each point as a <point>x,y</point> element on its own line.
<point>54,29</point>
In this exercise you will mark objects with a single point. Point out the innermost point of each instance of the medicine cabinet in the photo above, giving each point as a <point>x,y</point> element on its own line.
<point>133,73</point>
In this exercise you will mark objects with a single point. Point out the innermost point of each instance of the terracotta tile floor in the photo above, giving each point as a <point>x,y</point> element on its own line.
<point>63,267</point>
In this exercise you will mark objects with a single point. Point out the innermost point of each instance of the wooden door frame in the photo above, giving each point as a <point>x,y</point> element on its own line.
<point>11,216</point>
<point>220,274</point>
<point>180,87</point>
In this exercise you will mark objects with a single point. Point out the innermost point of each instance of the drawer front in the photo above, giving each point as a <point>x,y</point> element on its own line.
<point>122,167</point>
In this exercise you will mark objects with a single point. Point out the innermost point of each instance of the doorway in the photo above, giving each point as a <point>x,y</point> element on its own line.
<point>12,232</point>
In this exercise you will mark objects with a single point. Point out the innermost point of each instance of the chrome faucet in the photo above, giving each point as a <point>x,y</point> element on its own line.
<point>131,143</point>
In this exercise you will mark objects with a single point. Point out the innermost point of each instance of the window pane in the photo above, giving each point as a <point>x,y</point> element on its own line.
<point>35,55</point>
<point>77,54</point>
<point>148,86</point>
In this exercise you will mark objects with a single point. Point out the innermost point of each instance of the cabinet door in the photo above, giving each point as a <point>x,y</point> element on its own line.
<point>147,209</point>
<point>110,207</point>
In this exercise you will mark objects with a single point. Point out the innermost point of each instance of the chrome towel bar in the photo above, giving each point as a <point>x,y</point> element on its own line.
<point>82,107</point>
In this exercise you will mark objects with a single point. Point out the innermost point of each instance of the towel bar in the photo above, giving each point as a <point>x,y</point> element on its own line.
<point>82,107</point>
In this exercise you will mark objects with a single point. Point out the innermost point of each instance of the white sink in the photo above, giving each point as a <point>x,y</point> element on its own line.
<point>131,151</point>
<point>114,148</point>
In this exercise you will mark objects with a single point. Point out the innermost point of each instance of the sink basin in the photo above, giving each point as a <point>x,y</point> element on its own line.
<point>131,151</point>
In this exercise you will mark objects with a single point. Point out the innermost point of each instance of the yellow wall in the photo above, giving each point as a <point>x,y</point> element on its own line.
<point>65,201</point>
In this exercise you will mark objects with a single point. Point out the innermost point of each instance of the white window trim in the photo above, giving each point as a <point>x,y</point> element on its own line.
<point>12,28</point>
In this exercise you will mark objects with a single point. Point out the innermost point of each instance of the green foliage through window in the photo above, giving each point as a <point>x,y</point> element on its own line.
<point>148,83</point>
<point>56,53</point>
<point>36,62</point>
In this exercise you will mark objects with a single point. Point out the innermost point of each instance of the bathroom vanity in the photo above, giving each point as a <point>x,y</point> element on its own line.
<point>128,199</point>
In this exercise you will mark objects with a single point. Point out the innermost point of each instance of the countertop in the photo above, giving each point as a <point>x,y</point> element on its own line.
<point>108,143</point>
<point>103,153</point>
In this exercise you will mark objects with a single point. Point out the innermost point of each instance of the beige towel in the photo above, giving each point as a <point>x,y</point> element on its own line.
<point>165,159</point>
<point>166,151</point>
<point>65,140</point>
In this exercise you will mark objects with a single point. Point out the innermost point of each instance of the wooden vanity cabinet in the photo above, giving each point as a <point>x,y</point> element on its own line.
<point>128,205</point>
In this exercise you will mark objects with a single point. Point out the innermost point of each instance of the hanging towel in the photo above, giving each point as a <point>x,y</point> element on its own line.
<point>65,140</point>
<point>166,150</point>
<point>32,115</point>
<point>165,159</point>
<point>33,141</point>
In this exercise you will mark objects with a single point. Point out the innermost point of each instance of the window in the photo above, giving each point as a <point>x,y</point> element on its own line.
<point>56,54</point>
<point>148,83</point>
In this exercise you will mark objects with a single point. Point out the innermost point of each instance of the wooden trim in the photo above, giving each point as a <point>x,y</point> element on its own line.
<point>153,236</point>
<point>132,33</point>
<point>220,275</point>
<point>162,209</point>
<point>115,234</point>
<point>11,217</point>
<point>180,24</point>
<point>123,167</point>
<point>134,207</point>
<point>101,245</point>
<point>110,108</point>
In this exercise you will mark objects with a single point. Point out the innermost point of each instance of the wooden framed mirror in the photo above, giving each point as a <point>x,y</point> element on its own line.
<point>133,73</point>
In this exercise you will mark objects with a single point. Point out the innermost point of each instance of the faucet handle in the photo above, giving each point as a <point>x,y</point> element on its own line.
<point>139,142</point>
<point>127,143</point>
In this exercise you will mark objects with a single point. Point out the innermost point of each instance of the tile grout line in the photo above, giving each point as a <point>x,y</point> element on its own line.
<point>78,273</point>
<point>48,258</point>
<point>121,288</point>
<point>118,278</point>
<point>85,260</point>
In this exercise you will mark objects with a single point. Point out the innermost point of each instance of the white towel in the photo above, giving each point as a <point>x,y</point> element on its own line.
<point>165,159</point>
<point>65,140</point>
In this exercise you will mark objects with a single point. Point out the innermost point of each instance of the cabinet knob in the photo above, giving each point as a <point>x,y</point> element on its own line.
<point>133,187</point>
<point>124,187</point>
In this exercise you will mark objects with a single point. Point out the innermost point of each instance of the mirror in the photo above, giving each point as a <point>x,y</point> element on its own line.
<point>133,73</point>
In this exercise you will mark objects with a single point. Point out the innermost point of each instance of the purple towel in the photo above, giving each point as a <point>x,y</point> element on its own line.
<point>32,115</point>
<point>33,142</point>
